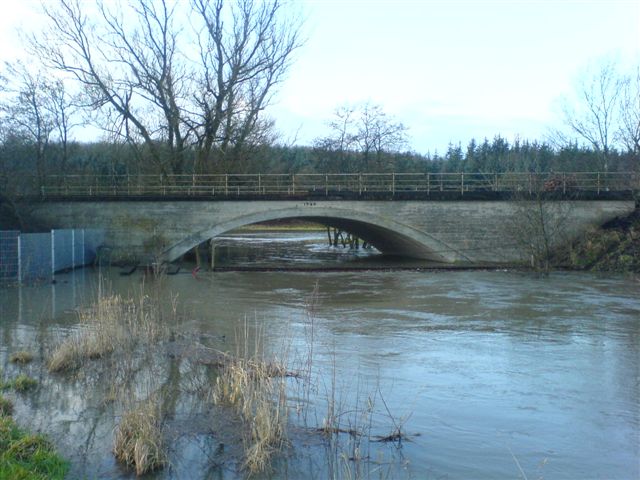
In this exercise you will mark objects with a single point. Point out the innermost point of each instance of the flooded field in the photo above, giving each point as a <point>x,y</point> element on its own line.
<point>485,374</point>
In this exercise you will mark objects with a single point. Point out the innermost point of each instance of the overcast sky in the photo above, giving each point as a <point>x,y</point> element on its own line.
<point>450,70</point>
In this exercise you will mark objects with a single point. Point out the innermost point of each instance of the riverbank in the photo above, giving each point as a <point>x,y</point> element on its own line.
<point>287,225</point>
<point>614,247</point>
<point>23,454</point>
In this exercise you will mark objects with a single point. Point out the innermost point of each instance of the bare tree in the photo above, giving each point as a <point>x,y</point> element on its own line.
<point>242,63</point>
<point>540,223</point>
<point>378,133</point>
<point>593,114</point>
<point>366,130</point>
<point>629,129</point>
<point>27,114</point>
<point>134,64</point>
<point>341,139</point>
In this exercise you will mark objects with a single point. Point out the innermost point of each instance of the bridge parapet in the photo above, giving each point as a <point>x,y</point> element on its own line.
<point>387,185</point>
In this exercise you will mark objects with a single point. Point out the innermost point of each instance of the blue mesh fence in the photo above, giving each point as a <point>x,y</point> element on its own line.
<point>36,256</point>
<point>9,264</point>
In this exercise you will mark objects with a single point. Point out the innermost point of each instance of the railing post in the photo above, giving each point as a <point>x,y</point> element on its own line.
<point>461,183</point>
<point>293,183</point>
<point>326,185</point>
<point>393,183</point>
<point>428,183</point>
<point>495,180</point>
<point>226,184</point>
<point>259,187</point>
<point>360,183</point>
<point>598,183</point>
<point>564,183</point>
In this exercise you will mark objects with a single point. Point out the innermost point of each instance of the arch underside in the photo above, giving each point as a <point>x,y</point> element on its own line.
<point>387,235</point>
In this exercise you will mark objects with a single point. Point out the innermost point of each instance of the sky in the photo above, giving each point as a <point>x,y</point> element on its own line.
<point>449,70</point>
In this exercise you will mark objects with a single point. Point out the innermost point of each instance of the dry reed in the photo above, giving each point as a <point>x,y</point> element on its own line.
<point>112,323</point>
<point>21,357</point>
<point>256,390</point>
<point>138,440</point>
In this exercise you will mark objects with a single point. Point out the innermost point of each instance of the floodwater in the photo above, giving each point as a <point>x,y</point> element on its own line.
<point>488,374</point>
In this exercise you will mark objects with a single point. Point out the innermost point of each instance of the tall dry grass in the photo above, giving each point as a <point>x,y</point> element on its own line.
<point>138,440</point>
<point>111,323</point>
<point>256,390</point>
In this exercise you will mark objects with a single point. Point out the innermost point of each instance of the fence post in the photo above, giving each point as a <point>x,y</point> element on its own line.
<point>428,183</point>
<point>393,183</point>
<point>73,248</point>
<point>461,183</point>
<point>19,259</point>
<point>598,183</point>
<point>326,185</point>
<point>53,254</point>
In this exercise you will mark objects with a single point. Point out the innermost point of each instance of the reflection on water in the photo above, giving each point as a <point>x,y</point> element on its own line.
<point>482,368</point>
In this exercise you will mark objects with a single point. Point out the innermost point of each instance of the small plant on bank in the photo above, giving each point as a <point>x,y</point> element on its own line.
<point>22,383</point>
<point>6,407</point>
<point>138,441</point>
<point>27,456</point>
<point>22,357</point>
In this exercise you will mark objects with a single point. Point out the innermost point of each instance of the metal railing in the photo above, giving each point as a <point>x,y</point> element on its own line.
<point>286,185</point>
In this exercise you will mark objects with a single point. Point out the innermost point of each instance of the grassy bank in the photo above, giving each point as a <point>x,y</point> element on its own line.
<point>24,455</point>
<point>614,247</point>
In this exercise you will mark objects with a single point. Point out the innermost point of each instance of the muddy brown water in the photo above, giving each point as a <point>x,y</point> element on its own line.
<point>489,374</point>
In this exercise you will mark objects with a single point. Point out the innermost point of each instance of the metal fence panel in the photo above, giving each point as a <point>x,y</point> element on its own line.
<point>9,265</point>
<point>35,256</point>
<point>78,248</point>
<point>63,250</point>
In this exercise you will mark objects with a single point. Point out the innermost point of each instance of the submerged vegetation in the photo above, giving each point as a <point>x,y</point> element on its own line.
<point>251,406</point>
<point>256,391</point>
<point>111,324</point>
<point>138,441</point>
<point>21,356</point>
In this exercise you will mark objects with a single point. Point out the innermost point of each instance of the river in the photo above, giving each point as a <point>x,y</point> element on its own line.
<point>489,374</point>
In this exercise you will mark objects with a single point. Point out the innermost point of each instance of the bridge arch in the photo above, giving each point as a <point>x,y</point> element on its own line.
<point>387,235</point>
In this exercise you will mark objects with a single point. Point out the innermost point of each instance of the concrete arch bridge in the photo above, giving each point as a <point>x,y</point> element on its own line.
<point>454,231</point>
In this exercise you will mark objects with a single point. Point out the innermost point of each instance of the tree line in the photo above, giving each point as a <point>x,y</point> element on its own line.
<point>182,87</point>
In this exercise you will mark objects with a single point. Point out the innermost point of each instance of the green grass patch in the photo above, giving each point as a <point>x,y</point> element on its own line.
<point>21,383</point>
<point>6,407</point>
<point>27,456</point>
